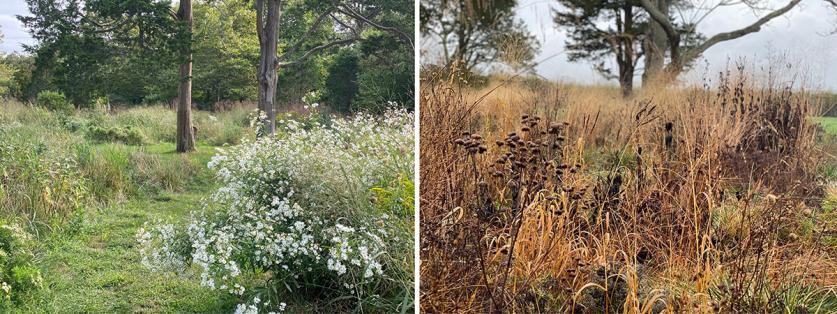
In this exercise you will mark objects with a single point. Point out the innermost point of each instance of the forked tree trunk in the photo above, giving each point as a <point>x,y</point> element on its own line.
<point>185,132</point>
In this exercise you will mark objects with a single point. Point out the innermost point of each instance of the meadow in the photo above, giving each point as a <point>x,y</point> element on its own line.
<point>540,197</point>
<point>94,201</point>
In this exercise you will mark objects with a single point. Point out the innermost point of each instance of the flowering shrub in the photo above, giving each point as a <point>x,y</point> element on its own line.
<point>18,275</point>
<point>303,210</point>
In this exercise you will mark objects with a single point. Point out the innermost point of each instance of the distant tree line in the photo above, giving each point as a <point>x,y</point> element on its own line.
<point>128,52</point>
<point>620,38</point>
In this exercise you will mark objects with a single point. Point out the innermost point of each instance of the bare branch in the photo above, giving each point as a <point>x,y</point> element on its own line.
<point>661,18</point>
<point>353,13</point>
<point>308,33</point>
<point>314,50</point>
<point>721,37</point>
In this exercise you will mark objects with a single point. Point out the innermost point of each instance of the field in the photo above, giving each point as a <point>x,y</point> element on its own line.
<point>552,198</point>
<point>85,194</point>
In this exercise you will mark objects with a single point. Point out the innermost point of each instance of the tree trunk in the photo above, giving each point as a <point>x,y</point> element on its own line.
<point>655,47</point>
<point>185,132</point>
<point>268,40</point>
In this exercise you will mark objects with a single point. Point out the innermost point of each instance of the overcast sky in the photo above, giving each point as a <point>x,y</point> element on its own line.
<point>14,33</point>
<point>801,36</point>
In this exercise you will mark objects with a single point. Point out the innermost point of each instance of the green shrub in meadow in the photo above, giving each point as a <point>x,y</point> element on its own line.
<point>54,101</point>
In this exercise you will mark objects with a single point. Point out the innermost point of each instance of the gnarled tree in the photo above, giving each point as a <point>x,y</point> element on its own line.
<point>665,40</point>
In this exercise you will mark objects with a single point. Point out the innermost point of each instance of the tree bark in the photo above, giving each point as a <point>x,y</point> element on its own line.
<point>655,46</point>
<point>627,65</point>
<point>268,30</point>
<point>185,132</point>
<point>656,70</point>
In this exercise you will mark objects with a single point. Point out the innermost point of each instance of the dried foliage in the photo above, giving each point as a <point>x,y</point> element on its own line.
<point>681,200</point>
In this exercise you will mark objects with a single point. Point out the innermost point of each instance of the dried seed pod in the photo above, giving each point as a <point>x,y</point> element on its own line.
<point>499,143</point>
<point>482,149</point>
<point>476,136</point>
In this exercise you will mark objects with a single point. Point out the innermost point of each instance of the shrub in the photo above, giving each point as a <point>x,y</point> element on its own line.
<point>298,210</point>
<point>54,101</point>
<point>18,275</point>
<point>127,135</point>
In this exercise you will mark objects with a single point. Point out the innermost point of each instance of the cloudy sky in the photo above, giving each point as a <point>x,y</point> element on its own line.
<point>13,31</point>
<point>801,35</point>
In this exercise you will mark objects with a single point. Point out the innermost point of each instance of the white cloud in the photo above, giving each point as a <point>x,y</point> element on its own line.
<point>14,33</point>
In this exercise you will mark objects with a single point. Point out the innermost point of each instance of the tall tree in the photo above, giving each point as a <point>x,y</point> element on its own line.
<point>666,41</point>
<point>477,32</point>
<point>328,24</point>
<point>77,40</point>
<point>602,29</point>
<point>185,132</point>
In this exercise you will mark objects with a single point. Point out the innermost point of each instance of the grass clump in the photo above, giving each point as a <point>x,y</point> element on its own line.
<point>126,135</point>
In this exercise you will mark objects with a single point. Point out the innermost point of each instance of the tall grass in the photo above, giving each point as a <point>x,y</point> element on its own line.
<point>53,164</point>
<point>683,200</point>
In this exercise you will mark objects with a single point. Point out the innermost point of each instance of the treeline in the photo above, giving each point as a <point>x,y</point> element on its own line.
<point>132,57</point>
<point>656,40</point>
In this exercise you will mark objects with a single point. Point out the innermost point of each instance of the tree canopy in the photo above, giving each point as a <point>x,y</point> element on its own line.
<point>128,51</point>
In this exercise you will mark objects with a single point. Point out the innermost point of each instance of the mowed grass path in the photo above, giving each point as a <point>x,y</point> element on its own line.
<point>94,266</point>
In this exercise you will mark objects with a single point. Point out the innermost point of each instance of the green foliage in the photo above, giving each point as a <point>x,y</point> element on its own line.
<point>18,275</point>
<point>82,47</point>
<point>341,83</point>
<point>127,135</point>
<point>226,50</point>
<point>385,77</point>
<point>54,101</point>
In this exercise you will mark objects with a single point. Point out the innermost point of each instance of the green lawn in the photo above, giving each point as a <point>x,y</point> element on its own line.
<point>94,266</point>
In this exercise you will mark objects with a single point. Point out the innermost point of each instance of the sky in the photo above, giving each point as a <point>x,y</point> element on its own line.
<point>801,36</point>
<point>14,33</point>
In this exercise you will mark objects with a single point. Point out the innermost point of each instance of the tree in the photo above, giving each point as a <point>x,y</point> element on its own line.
<point>309,28</point>
<point>185,134</point>
<point>77,41</point>
<point>477,32</point>
<point>226,51</point>
<point>664,40</point>
<point>599,30</point>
